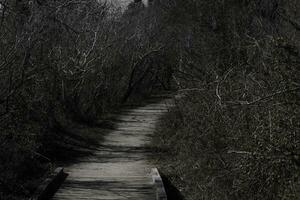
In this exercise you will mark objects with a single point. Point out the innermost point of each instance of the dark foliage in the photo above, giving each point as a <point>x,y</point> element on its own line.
<point>63,62</point>
<point>235,131</point>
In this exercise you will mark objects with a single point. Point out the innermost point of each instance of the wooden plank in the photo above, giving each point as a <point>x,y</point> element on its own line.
<point>119,168</point>
<point>159,185</point>
<point>50,185</point>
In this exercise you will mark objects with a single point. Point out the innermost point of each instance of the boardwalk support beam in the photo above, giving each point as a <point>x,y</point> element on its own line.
<point>50,185</point>
<point>159,185</point>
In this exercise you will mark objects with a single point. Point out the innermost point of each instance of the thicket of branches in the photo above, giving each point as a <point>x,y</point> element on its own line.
<point>235,131</point>
<point>62,62</point>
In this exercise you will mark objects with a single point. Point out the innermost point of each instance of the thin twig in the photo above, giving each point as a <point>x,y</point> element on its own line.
<point>295,24</point>
<point>263,98</point>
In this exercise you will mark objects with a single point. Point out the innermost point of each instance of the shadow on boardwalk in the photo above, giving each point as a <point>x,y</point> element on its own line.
<point>120,166</point>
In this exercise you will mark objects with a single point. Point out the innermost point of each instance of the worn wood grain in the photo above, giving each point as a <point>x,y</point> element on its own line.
<point>120,168</point>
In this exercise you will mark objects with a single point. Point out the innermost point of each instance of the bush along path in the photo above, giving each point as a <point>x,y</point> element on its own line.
<point>120,168</point>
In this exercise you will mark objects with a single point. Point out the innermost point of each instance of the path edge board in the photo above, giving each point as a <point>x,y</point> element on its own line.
<point>50,185</point>
<point>159,185</point>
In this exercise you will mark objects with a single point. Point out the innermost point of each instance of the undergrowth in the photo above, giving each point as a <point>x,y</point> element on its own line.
<point>234,133</point>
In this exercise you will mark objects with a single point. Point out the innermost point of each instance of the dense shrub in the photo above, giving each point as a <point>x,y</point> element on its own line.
<point>235,131</point>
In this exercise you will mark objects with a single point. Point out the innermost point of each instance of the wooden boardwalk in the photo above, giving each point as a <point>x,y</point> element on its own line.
<point>120,168</point>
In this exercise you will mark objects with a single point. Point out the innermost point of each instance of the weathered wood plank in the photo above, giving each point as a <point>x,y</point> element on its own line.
<point>120,168</point>
<point>47,189</point>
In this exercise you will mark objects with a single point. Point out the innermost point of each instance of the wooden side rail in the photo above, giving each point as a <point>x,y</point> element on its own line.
<point>50,185</point>
<point>159,185</point>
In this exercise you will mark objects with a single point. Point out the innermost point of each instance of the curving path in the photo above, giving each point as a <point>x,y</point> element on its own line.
<point>120,169</point>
